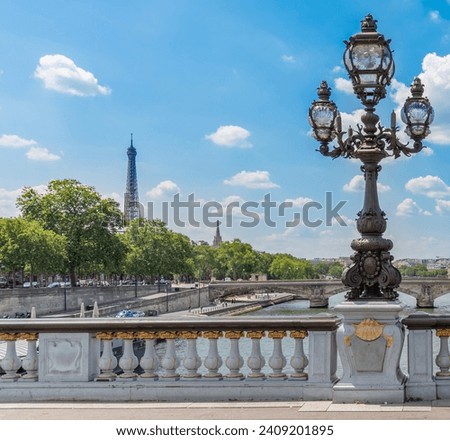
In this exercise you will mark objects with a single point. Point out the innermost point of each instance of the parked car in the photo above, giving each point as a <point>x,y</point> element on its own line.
<point>53,285</point>
<point>3,283</point>
<point>27,284</point>
<point>130,314</point>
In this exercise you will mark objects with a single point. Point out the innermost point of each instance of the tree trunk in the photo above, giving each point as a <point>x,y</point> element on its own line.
<point>73,277</point>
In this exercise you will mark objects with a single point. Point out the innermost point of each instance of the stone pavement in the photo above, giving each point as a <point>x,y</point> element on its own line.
<point>321,410</point>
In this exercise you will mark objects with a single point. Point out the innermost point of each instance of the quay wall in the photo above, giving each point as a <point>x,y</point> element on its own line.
<point>59,300</point>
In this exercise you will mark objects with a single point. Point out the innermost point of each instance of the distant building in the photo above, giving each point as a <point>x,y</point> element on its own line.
<point>217,241</point>
<point>258,277</point>
<point>131,208</point>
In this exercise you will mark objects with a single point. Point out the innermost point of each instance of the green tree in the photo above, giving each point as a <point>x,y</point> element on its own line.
<point>79,214</point>
<point>335,270</point>
<point>204,260</point>
<point>264,260</point>
<point>321,268</point>
<point>288,267</point>
<point>26,246</point>
<point>237,258</point>
<point>154,250</point>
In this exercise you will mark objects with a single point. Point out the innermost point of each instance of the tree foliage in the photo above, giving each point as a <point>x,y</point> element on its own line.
<point>236,259</point>
<point>204,261</point>
<point>287,267</point>
<point>420,270</point>
<point>27,246</point>
<point>80,215</point>
<point>70,227</point>
<point>154,250</point>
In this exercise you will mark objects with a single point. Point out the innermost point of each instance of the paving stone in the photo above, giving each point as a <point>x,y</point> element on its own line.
<point>315,406</point>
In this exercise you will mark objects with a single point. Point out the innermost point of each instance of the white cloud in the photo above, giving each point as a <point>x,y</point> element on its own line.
<point>232,199</point>
<point>288,58</point>
<point>399,92</point>
<point>337,69</point>
<point>443,206</point>
<point>115,196</point>
<point>435,16</point>
<point>41,154</point>
<point>8,202</point>
<point>163,189</point>
<point>356,184</point>
<point>8,199</point>
<point>344,85</point>
<point>251,179</point>
<point>61,74</point>
<point>409,207</point>
<point>34,153</point>
<point>299,202</point>
<point>430,186</point>
<point>351,119</point>
<point>434,77</point>
<point>14,141</point>
<point>230,136</point>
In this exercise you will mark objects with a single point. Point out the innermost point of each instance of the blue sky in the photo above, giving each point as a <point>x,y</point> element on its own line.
<point>217,94</point>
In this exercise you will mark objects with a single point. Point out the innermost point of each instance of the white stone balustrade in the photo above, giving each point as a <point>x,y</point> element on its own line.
<point>208,359</point>
<point>81,361</point>
<point>428,371</point>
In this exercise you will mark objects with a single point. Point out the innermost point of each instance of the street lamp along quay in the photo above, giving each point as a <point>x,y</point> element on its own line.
<point>370,65</point>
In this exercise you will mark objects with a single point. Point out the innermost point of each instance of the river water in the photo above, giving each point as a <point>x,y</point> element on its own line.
<point>295,308</point>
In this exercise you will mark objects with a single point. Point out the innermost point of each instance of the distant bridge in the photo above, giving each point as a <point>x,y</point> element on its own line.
<point>425,290</point>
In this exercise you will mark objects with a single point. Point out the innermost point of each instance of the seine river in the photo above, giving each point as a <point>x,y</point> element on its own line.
<point>292,309</point>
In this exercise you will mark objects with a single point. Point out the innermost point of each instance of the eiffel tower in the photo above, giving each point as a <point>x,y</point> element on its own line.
<point>131,200</point>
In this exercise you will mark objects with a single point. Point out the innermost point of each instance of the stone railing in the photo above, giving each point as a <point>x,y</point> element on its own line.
<point>199,359</point>
<point>157,359</point>
<point>428,358</point>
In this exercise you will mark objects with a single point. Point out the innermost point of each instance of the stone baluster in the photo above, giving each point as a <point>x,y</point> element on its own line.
<point>82,311</point>
<point>149,361</point>
<point>95,310</point>
<point>234,360</point>
<point>192,360</point>
<point>108,361</point>
<point>11,362</point>
<point>128,361</point>
<point>31,360</point>
<point>169,362</point>
<point>277,361</point>
<point>298,360</point>
<point>256,361</point>
<point>443,358</point>
<point>213,361</point>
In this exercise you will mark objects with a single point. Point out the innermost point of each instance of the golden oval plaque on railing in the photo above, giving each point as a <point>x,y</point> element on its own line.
<point>368,329</point>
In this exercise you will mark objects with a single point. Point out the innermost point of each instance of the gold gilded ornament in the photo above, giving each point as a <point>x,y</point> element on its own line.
<point>28,336</point>
<point>106,336</point>
<point>147,335</point>
<point>256,334</point>
<point>443,332</point>
<point>189,334</point>
<point>277,334</point>
<point>125,335</point>
<point>234,334</point>
<point>299,334</point>
<point>368,330</point>
<point>167,335</point>
<point>9,336</point>
<point>212,334</point>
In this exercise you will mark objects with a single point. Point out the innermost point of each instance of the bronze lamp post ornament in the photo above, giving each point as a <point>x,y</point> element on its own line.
<point>370,65</point>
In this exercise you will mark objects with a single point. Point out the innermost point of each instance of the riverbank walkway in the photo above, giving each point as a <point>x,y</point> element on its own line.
<point>319,410</point>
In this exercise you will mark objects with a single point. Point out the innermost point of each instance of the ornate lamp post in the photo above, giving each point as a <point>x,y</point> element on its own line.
<point>370,65</point>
